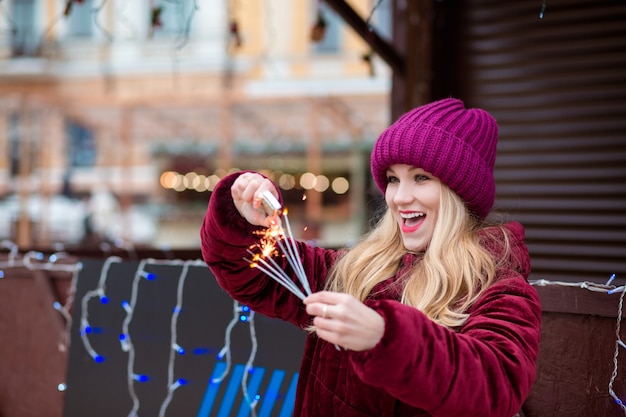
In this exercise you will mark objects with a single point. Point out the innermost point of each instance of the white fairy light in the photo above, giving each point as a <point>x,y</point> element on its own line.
<point>36,261</point>
<point>608,289</point>
<point>100,292</point>
<point>618,343</point>
<point>176,348</point>
<point>126,343</point>
<point>225,352</point>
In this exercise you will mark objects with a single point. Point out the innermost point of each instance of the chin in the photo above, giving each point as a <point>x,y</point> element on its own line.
<point>413,246</point>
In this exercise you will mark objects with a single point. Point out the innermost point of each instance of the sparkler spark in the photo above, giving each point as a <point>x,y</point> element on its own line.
<point>276,238</point>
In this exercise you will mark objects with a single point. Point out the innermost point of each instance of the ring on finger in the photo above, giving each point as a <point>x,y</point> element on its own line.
<point>324,310</point>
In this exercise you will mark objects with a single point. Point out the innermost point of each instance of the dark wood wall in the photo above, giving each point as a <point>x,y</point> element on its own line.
<point>557,86</point>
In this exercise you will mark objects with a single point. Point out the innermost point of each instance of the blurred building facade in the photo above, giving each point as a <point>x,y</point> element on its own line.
<point>117,118</point>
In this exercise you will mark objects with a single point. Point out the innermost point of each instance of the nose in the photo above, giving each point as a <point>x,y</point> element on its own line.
<point>402,194</point>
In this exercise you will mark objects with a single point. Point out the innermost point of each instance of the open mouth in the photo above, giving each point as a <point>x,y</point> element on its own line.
<point>411,221</point>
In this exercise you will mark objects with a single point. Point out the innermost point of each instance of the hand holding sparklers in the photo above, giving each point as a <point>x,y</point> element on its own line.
<point>256,202</point>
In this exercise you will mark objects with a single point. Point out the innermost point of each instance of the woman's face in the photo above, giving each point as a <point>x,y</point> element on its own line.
<point>413,196</point>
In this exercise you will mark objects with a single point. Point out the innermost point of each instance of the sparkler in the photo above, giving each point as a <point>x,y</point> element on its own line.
<point>276,237</point>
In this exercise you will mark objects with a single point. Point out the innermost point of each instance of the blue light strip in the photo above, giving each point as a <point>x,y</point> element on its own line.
<point>290,398</point>
<point>211,391</point>
<point>273,389</point>
<point>231,391</point>
<point>268,400</point>
<point>253,389</point>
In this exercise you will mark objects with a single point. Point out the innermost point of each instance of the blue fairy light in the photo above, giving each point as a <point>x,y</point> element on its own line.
<point>200,351</point>
<point>141,378</point>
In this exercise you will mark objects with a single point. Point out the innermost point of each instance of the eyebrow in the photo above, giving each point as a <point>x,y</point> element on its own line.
<point>411,170</point>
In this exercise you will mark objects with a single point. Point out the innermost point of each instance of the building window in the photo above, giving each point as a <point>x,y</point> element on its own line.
<point>81,147</point>
<point>176,18</point>
<point>80,21</point>
<point>14,144</point>
<point>24,39</point>
<point>331,41</point>
<point>382,18</point>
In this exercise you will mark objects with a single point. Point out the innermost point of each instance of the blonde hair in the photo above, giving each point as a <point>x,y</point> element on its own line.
<point>455,269</point>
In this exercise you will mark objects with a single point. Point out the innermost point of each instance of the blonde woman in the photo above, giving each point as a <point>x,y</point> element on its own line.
<point>432,308</point>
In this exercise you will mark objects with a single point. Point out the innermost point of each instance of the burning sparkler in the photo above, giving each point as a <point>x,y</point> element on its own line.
<point>276,237</point>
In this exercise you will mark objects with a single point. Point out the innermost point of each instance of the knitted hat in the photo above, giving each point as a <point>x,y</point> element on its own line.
<point>455,144</point>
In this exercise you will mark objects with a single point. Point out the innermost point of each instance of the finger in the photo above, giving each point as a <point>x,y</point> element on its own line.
<point>328,297</point>
<point>331,337</point>
<point>318,309</point>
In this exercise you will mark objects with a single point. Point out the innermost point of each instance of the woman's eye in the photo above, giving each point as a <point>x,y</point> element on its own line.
<point>421,178</point>
<point>392,179</point>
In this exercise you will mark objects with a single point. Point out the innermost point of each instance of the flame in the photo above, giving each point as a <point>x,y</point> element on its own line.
<point>268,249</point>
<point>267,242</point>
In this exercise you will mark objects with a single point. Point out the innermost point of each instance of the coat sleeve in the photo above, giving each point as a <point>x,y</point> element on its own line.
<point>225,239</point>
<point>485,370</point>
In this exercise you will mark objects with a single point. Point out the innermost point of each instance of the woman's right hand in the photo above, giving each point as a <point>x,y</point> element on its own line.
<point>247,193</point>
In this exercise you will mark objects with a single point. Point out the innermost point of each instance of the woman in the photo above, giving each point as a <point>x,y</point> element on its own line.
<point>432,308</point>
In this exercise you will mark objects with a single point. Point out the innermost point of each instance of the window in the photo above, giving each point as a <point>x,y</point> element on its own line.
<point>14,144</point>
<point>331,42</point>
<point>80,21</point>
<point>24,39</point>
<point>382,18</point>
<point>176,17</point>
<point>81,147</point>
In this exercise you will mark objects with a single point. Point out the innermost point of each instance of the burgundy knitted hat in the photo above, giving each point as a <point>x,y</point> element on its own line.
<point>455,144</point>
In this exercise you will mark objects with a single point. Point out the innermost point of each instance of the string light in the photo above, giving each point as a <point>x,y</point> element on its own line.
<point>176,348</point>
<point>129,307</point>
<point>125,339</point>
<point>13,250</point>
<point>35,261</point>
<point>225,352</point>
<point>241,314</point>
<point>609,289</point>
<point>100,292</point>
<point>543,9</point>
<point>618,343</point>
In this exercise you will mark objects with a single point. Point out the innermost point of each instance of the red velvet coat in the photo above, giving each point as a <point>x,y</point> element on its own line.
<point>419,368</point>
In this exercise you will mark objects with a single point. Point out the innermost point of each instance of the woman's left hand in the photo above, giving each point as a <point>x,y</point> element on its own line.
<point>345,321</point>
